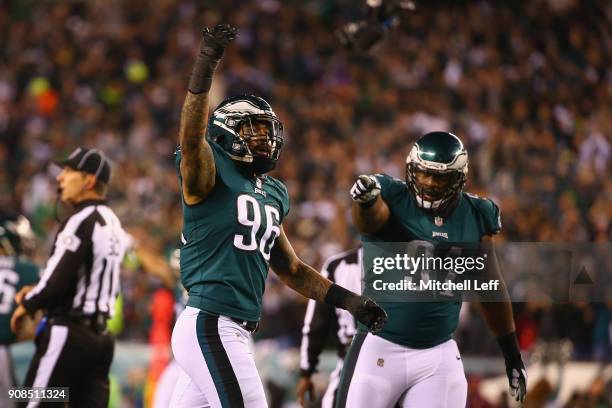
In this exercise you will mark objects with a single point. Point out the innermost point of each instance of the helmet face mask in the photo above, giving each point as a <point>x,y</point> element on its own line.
<point>262,136</point>
<point>238,125</point>
<point>436,170</point>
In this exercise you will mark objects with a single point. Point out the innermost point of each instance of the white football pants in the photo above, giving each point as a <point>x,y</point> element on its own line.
<point>378,373</point>
<point>217,362</point>
<point>165,385</point>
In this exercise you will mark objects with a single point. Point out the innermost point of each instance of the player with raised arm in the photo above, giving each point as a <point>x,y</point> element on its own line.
<point>232,215</point>
<point>414,361</point>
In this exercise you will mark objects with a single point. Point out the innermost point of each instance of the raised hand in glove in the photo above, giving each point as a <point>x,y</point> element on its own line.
<point>365,310</point>
<point>212,46</point>
<point>365,190</point>
<point>216,39</point>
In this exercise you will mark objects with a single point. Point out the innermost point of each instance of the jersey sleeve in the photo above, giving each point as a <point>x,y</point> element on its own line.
<point>222,159</point>
<point>285,202</point>
<point>490,216</point>
<point>391,188</point>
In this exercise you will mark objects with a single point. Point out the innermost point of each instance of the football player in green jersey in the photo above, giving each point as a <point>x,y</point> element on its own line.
<point>232,215</point>
<point>16,272</point>
<point>413,361</point>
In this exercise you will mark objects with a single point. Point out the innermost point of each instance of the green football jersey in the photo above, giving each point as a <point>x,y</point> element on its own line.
<point>15,273</point>
<point>427,324</point>
<point>227,239</point>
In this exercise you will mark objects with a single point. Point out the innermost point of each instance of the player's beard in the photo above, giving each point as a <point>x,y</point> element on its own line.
<point>262,165</point>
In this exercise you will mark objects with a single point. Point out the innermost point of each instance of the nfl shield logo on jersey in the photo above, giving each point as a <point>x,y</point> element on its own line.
<point>259,187</point>
<point>438,221</point>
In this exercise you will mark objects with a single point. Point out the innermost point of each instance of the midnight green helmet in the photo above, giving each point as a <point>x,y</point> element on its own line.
<point>16,234</point>
<point>441,154</point>
<point>236,112</point>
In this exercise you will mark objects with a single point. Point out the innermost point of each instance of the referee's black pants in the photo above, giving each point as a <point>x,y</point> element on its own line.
<point>72,355</point>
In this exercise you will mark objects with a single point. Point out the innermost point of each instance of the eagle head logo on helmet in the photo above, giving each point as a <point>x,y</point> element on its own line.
<point>442,156</point>
<point>227,127</point>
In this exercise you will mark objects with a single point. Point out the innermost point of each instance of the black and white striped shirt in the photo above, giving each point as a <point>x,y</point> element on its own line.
<point>82,274</point>
<point>322,319</point>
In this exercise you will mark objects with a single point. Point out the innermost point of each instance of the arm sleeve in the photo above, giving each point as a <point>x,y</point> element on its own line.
<point>320,319</point>
<point>491,217</point>
<point>286,201</point>
<point>59,277</point>
<point>390,188</point>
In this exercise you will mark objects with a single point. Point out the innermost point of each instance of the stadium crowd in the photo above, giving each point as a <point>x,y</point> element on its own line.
<point>527,85</point>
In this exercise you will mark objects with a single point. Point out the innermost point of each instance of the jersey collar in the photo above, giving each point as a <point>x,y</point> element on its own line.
<point>86,203</point>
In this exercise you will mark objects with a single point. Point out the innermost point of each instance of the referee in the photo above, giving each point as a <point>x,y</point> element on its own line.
<point>322,319</point>
<point>78,287</point>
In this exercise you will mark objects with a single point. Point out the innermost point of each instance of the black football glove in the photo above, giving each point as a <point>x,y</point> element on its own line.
<point>517,379</point>
<point>361,36</point>
<point>216,39</point>
<point>364,35</point>
<point>364,309</point>
<point>365,190</point>
<point>212,46</point>
<point>515,369</point>
<point>367,312</point>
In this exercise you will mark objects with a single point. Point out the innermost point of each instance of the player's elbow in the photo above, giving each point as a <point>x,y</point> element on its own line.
<point>289,270</point>
<point>293,268</point>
